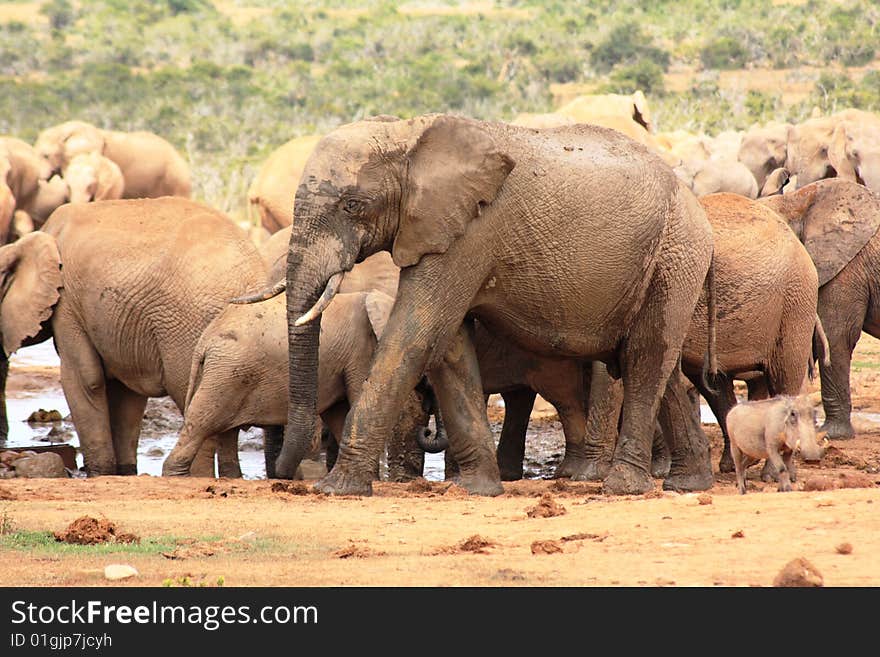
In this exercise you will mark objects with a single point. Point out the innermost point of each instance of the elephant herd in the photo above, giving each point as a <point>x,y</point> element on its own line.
<point>427,263</point>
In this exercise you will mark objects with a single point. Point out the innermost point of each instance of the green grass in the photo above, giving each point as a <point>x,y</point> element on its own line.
<point>864,365</point>
<point>44,542</point>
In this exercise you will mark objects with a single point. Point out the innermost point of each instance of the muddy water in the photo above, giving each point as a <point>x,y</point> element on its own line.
<point>545,443</point>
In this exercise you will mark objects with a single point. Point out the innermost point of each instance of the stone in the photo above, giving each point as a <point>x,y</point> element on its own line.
<point>42,465</point>
<point>117,571</point>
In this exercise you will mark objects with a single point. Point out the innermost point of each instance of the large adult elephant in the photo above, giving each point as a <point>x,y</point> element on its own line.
<point>141,279</point>
<point>272,190</point>
<point>544,236</point>
<point>150,165</point>
<point>837,221</point>
<point>764,149</point>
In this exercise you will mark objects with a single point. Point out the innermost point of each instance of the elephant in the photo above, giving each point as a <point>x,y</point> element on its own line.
<point>150,165</point>
<point>93,177</point>
<point>542,121</point>
<point>239,373</point>
<point>854,151</point>
<point>837,221</point>
<point>271,192</point>
<point>777,182</point>
<point>21,170</point>
<point>522,229</point>
<point>716,175</point>
<point>141,279</point>
<point>764,149</point>
<point>584,109</point>
<point>767,288</point>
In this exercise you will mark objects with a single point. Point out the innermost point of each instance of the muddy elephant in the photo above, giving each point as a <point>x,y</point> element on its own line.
<point>141,279</point>
<point>150,165</point>
<point>93,177</point>
<point>239,373</point>
<point>271,192</point>
<point>523,229</point>
<point>837,221</point>
<point>767,289</point>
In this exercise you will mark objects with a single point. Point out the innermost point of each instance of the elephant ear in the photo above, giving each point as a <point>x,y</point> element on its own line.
<point>378,305</point>
<point>453,168</point>
<point>30,271</point>
<point>838,154</point>
<point>641,115</point>
<point>837,224</point>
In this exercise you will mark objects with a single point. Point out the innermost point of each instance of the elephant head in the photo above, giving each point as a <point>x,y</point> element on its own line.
<point>408,187</point>
<point>61,143</point>
<point>808,150</point>
<point>93,177</point>
<point>51,194</point>
<point>30,280</point>
<point>854,151</point>
<point>764,149</point>
<point>833,218</point>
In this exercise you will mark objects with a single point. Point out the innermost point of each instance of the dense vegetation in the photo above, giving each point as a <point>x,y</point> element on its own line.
<point>228,81</point>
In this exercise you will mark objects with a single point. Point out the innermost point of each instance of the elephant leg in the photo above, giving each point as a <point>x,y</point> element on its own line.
<point>661,455</point>
<point>459,392</point>
<point>570,394</point>
<point>842,311</point>
<point>228,465</point>
<point>198,441</point>
<point>273,437</point>
<point>126,415</point>
<point>333,420</point>
<point>204,462</point>
<point>720,401</point>
<point>603,420</point>
<point>679,418</point>
<point>82,380</point>
<point>757,388</point>
<point>4,374</point>
<point>405,459</point>
<point>511,448</point>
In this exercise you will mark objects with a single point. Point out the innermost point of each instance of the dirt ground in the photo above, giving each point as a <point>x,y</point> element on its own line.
<point>244,533</point>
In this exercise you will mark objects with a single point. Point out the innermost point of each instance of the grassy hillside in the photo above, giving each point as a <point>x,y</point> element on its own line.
<point>227,81</point>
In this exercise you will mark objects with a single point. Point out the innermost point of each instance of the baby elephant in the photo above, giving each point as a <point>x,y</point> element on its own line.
<point>773,429</point>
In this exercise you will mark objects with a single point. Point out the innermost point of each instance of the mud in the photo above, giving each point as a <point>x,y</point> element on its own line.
<point>86,530</point>
<point>546,508</point>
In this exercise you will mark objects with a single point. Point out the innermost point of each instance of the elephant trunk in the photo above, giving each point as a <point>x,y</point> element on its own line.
<point>436,442</point>
<point>710,362</point>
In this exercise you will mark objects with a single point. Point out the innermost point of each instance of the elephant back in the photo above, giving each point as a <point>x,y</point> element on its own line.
<point>834,219</point>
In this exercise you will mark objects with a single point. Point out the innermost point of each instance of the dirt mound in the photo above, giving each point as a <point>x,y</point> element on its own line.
<point>842,480</point>
<point>87,530</point>
<point>215,490</point>
<point>584,536</point>
<point>475,544</point>
<point>419,485</point>
<point>546,508</point>
<point>191,548</point>
<point>546,547</point>
<point>799,572</point>
<point>353,550</point>
<point>844,548</point>
<point>291,487</point>
<point>6,495</point>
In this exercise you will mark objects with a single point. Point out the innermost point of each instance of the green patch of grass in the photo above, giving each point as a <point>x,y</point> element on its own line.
<point>31,541</point>
<point>865,365</point>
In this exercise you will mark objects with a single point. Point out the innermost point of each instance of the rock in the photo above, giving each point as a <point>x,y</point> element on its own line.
<point>155,452</point>
<point>7,457</point>
<point>117,571</point>
<point>844,548</point>
<point>43,416</point>
<point>42,465</point>
<point>799,572</point>
<point>6,473</point>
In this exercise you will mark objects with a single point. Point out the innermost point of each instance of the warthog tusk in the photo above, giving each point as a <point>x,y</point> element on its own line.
<point>323,301</point>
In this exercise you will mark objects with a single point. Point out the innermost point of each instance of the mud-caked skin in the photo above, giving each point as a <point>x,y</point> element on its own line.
<point>837,221</point>
<point>140,281</point>
<point>774,429</point>
<point>572,242</point>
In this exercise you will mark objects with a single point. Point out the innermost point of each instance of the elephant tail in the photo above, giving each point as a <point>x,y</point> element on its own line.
<point>710,361</point>
<point>263,295</point>
<point>820,337</point>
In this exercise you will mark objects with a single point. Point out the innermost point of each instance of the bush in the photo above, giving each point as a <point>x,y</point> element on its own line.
<point>627,44</point>
<point>724,53</point>
<point>644,75</point>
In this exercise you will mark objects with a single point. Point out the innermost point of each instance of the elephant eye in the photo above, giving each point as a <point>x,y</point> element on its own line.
<point>353,205</point>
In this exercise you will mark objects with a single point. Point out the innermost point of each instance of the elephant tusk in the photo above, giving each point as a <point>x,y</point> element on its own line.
<point>324,300</point>
<point>262,295</point>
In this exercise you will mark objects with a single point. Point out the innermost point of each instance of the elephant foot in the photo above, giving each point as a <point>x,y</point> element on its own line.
<point>480,483</point>
<point>127,470</point>
<point>688,482</point>
<point>571,465</point>
<point>838,429</point>
<point>230,471</point>
<point>769,473</point>
<point>344,482</point>
<point>592,470</point>
<point>626,479</point>
<point>661,463</point>
<point>509,473</point>
<point>171,469</point>
<point>726,462</point>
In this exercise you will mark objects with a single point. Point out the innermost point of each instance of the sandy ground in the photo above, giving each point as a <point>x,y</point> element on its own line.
<point>430,533</point>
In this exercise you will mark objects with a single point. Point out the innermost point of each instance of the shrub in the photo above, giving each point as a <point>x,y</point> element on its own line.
<point>724,53</point>
<point>627,44</point>
<point>644,75</point>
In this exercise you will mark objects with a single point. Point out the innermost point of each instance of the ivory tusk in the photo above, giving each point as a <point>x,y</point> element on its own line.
<point>262,295</point>
<point>324,300</point>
